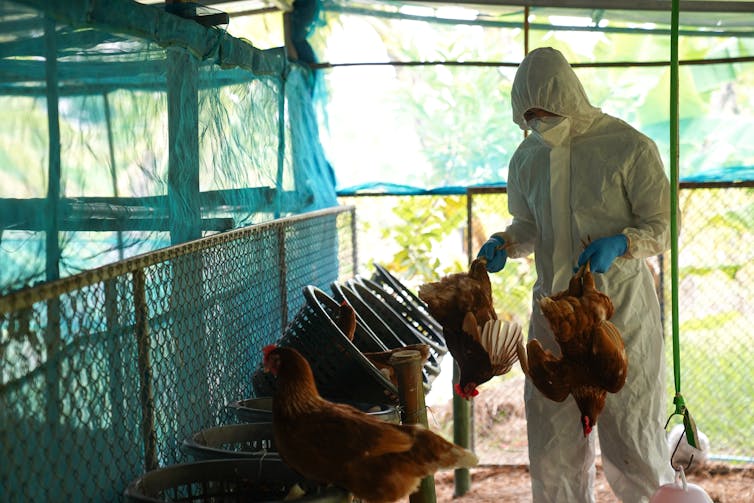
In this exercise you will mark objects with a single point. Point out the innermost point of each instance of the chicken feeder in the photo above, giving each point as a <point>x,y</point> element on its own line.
<point>416,306</point>
<point>341,371</point>
<point>428,330</point>
<point>252,410</point>
<point>260,410</point>
<point>363,338</point>
<point>388,338</point>
<point>382,330</point>
<point>242,441</point>
<point>229,480</point>
<point>402,328</point>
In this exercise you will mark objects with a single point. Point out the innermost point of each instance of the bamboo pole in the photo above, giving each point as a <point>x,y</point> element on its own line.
<point>407,365</point>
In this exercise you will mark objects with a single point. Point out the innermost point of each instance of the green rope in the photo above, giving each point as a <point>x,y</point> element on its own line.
<point>680,404</point>
<point>674,192</point>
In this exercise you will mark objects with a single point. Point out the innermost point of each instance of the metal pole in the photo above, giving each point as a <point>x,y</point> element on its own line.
<point>146,395</point>
<point>462,425</point>
<point>53,138</point>
<point>674,156</point>
<point>462,434</point>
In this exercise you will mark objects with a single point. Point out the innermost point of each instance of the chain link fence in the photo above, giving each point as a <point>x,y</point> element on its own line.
<point>715,288</point>
<point>104,374</point>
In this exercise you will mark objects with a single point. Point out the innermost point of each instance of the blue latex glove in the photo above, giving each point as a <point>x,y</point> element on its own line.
<point>602,252</point>
<point>494,252</point>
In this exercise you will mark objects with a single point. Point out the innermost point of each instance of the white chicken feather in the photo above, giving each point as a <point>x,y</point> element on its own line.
<point>501,339</point>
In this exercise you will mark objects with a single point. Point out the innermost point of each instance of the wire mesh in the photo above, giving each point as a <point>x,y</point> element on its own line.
<point>104,374</point>
<point>715,287</point>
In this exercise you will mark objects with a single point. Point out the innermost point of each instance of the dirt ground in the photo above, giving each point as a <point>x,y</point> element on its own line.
<point>500,443</point>
<point>511,484</point>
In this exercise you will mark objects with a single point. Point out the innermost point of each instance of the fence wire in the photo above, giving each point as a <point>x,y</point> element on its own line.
<point>105,374</point>
<point>716,277</point>
<point>715,288</point>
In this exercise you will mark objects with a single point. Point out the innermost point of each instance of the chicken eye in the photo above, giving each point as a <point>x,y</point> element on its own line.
<point>272,363</point>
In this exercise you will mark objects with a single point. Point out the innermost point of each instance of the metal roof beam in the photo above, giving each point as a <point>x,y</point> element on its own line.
<point>646,5</point>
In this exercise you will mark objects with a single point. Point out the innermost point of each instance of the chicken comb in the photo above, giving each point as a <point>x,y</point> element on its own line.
<point>462,394</point>
<point>268,349</point>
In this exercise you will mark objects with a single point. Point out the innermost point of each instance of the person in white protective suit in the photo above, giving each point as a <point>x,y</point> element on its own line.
<point>585,176</point>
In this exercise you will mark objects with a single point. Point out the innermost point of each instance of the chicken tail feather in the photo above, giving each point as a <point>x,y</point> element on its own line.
<point>501,339</point>
<point>465,459</point>
<point>432,450</point>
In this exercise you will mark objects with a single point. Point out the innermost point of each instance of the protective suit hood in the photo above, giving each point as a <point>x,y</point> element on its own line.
<point>545,80</point>
<point>604,178</point>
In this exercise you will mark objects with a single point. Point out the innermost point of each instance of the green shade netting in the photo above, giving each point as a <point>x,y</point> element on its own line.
<point>95,104</point>
<point>416,128</point>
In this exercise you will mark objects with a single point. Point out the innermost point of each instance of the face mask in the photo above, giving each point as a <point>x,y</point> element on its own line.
<point>552,131</point>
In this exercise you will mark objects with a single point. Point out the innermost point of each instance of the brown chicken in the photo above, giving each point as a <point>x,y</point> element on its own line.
<point>376,461</point>
<point>593,358</point>
<point>482,345</point>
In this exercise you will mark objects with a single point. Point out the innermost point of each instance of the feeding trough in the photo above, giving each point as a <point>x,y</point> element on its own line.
<point>241,441</point>
<point>260,410</point>
<point>255,480</point>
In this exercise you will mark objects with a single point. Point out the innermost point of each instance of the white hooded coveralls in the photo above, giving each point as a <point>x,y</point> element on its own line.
<point>615,183</point>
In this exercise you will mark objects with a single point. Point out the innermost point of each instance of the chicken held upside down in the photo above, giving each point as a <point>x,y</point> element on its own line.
<point>378,462</point>
<point>482,345</point>
<point>593,359</point>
